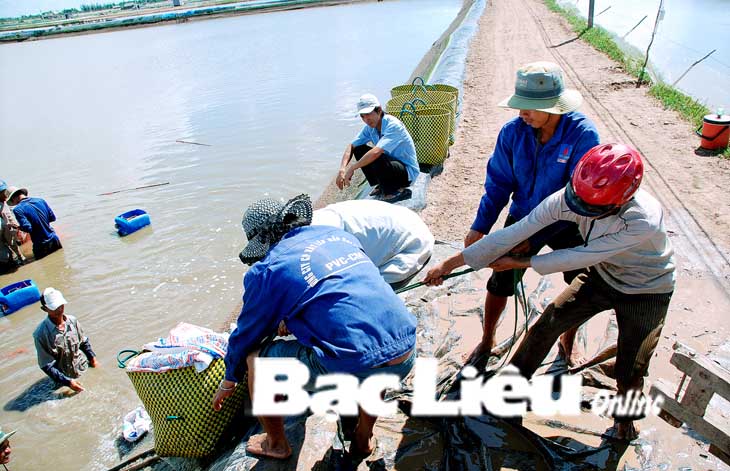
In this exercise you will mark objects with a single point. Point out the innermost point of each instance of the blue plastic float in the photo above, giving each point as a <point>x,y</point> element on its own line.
<point>18,295</point>
<point>131,221</point>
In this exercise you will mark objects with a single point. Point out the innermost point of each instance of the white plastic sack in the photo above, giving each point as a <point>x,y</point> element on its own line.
<point>136,424</point>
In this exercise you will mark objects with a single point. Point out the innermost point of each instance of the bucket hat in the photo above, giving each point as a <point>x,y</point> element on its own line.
<point>266,221</point>
<point>13,190</point>
<point>539,86</point>
<point>367,103</point>
<point>4,436</point>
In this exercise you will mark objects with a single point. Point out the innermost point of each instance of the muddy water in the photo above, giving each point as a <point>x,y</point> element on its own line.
<point>272,97</point>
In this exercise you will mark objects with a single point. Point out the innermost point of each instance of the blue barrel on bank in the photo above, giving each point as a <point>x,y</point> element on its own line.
<point>131,221</point>
<point>18,295</point>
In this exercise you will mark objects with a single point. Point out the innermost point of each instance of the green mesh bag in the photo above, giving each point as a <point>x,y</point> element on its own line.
<point>179,402</point>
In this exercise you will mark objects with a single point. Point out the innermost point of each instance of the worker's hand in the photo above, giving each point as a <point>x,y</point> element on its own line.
<point>435,276</point>
<point>76,386</point>
<point>509,262</point>
<point>340,180</point>
<point>94,362</point>
<point>282,330</point>
<point>225,390</point>
<point>471,237</point>
<point>344,177</point>
<point>521,248</point>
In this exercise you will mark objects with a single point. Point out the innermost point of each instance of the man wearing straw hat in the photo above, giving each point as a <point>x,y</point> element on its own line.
<point>390,164</point>
<point>35,217</point>
<point>534,156</point>
<point>5,447</point>
<point>317,280</point>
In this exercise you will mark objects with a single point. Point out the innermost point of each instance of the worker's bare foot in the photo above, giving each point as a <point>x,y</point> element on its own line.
<point>625,431</point>
<point>259,445</point>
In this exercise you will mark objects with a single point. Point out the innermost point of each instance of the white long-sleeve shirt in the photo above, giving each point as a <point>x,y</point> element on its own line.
<point>630,250</point>
<point>395,238</point>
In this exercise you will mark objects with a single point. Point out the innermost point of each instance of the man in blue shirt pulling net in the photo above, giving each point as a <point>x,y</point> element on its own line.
<point>390,164</point>
<point>533,157</point>
<point>329,295</point>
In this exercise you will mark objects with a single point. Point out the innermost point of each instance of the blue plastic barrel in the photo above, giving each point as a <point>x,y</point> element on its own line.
<point>131,221</point>
<point>18,295</point>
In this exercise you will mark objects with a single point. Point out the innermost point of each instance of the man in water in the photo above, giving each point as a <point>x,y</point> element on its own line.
<point>64,351</point>
<point>390,164</point>
<point>5,449</point>
<point>10,255</point>
<point>35,217</point>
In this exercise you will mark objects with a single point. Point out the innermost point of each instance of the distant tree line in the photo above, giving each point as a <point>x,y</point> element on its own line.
<point>82,9</point>
<point>93,7</point>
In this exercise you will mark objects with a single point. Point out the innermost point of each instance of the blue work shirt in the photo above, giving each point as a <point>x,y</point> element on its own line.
<point>395,141</point>
<point>529,171</point>
<point>35,217</point>
<point>332,298</point>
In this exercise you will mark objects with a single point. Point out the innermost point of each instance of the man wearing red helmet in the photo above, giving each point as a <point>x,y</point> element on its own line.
<point>627,251</point>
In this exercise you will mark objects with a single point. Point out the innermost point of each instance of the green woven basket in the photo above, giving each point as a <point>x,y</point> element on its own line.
<point>429,129</point>
<point>439,100</point>
<point>179,403</point>
<point>435,87</point>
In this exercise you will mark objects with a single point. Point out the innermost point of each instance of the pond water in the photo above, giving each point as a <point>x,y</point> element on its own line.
<point>271,95</point>
<point>687,31</point>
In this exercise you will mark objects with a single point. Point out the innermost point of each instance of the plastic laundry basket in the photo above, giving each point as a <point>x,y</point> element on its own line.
<point>179,403</point>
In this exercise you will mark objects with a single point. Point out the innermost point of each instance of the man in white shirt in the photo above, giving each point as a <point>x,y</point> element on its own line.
<point>395,238</point>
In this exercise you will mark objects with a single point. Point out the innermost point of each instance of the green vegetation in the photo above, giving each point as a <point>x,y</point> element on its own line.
<point>70,12</point>
<point>689,108</point>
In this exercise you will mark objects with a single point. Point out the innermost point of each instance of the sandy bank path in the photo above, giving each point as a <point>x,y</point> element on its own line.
<point>694,190</point>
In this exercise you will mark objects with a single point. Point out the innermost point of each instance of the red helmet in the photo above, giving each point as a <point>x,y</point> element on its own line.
<point>606,177</point>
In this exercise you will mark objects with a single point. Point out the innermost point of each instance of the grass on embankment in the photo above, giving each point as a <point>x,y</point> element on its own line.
<point>689,108</point>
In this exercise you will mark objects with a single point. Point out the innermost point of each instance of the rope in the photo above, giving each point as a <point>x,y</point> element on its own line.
<point>421,283</point>
<point>516,282</point>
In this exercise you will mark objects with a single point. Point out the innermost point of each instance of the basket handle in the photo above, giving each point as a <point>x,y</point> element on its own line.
<point>413,102</point>
<point>711,138</point>
<point>124,356</point>
<point>408,103</point>
<point>418,78</point>
<point>403,110</point>
<point>420,87</point>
